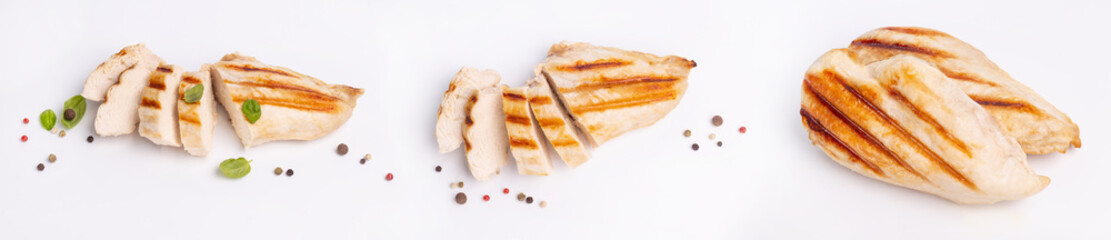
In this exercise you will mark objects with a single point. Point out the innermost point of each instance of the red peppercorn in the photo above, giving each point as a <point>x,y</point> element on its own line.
<point>486,198</point>
<point>389,176</point>
<point>25,120</point>
<point>743,130</point>
<point>24,138</point>
<point>506,191</point>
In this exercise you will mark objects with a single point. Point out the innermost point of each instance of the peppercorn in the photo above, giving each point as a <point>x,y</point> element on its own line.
<point>460,198</point>
<point>278,171</point>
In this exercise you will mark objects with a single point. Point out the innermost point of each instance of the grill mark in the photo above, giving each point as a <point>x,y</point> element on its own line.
<point>263,83</point>
<point>514,96</point>
<point>965,77</point>
<point>296,104</point>
<point>872,140</point>
<point>828,137</point>
<point>189,118</point>
<point>633,101</point>
<point>164,69</point>
<point>191,80</point>
<point>549,122</point>
<point>918,145</point>
<point>876,43</point>
<point>999,103</point>
<point>604,83</point>
<point>540,100</point>
<point>564,143</point>
<point>940,130</point>
<point>150,104</point>
<point>468,120</point>
<point>522,143</point>
<point>159,84</point>
<point>522,120</point>
<point>467,144</point>
<point>916,31</point>
<point>600,63</point>
<point>249,68</point>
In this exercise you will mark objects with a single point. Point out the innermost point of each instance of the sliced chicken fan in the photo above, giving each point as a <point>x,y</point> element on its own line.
<point>197,120</point>
<point>524,135</point>
<point>157,112</point>
<point>904,122</point>
<point>294,106</point>
<point>119,114</point>
<point>610,91</point>
<point>1037,125</point>
<point>449,119</point>
<point>484,134</point>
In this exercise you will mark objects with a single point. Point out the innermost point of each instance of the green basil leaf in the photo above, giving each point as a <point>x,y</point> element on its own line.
<point>251,110</point>
<point>193,94</point>
<point>47,118</point>
<point>235,167</point>
<point>77,103</point>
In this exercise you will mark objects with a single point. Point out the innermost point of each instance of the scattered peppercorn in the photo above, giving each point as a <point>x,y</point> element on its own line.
<point>69,114</point>
<point>743,129</point>
<point>289,172</point>
<point>25,120</point>
<point>486,197</point>
<point>543,204</point>
<point>719,143</point>
<point>41,167</point>
<point>62,133</point>
<point>460,198</point>
<point>687,133</point>
<point>23,138</point>
<point>341,149</point>
<point>506,190</point>
<point>454,185</point>
<point>438,168</point>
<point>278,171</point>
<point>713,136</point>
<point>389,176</point>
<point>365,158</point>
<point>362,161</point>
<point>52,158</point>
<point>89,139</point>
<point>694,147</point>
<point>520,196</point>
<point>460,184</point>
<point>717,120</point>
<point>528,200</point>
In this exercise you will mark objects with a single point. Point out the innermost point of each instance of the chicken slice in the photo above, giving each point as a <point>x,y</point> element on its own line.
<point>903,122</point>
<point>197,120</point>
<point>157,106</point>
<point>484,134</point>
<point>1037,125</point>
<point>119,114</point>
<point>449,119</point>
<point>108,73</point>
<point>294,106</point>
<point>556,124</point>
<point>524,135</point>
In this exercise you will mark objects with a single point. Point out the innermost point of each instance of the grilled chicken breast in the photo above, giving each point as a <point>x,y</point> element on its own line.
<point>524,136</point>
<point>556,123</point>
<point>904,122</point>
<point>294,106</point>
<point>609,91</point>
<point>197,120</point>
<point>484,134</point>
<point>449,119</point>
<point>119,114</point>
<point>108,73</point>
<point>1037,125</point>
<point>157,106</point>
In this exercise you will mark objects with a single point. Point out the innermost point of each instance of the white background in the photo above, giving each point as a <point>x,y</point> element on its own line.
<point>767,184</point>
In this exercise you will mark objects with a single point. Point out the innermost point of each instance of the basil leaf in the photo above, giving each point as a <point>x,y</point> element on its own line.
<point>235,167</point>
<point>47,118</point>
<point>251,110</point>
<point>193,94</point>
<point>77,103</point>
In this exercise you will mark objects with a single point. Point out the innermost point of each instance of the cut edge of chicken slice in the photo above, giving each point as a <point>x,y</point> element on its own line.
<point>484,134</point>
<point>108,72</point>
<point>158,106</point>
<point>524,134</point>
<point>556,124</point>
<point>452,110</point>
<point>119,114</point>
<point>197,121</point>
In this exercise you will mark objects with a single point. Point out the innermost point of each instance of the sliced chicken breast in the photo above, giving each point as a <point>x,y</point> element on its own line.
<point>484,134</point>
<point>610,91</point>
<point>157,106</point>
<point>108,73</point>
<point>119,114</point>
<point>449,119</point>
<point>197,120</point>
<point>524,136</point>
<point>294,106</point>
<point>556,123</point>
<point>1037,125</point>
<point>904,122</point>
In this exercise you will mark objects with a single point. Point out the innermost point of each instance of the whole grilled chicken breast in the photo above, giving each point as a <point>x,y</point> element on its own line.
<point>610,91</point>
<point>1037,125</point>
<point>294,106</point>
<point>904,122</point>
